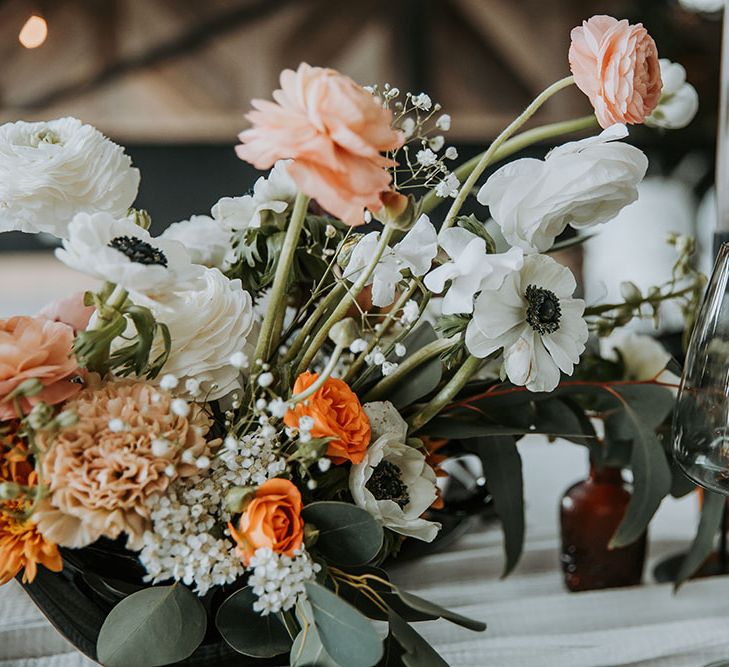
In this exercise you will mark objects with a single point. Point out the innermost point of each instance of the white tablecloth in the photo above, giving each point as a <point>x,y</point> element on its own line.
<point>533,621</point>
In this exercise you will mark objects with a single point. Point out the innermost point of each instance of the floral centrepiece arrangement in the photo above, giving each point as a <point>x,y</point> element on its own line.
<point>249,409</point>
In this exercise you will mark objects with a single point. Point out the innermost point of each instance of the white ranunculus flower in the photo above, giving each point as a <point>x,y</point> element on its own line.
<point>536,322</point>
<point>206,240</point>
<point>415,253</point>
<point>470,270</point>
<point>581,184</point>
<point>644,358</point>
<point>679,99</point>
<point>271,197</point>
<point>123,253</point>
<point>50,171</point>
<point>393,482</point>
<point>208,323</point>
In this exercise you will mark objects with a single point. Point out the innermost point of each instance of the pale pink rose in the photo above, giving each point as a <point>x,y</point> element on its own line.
<point>32,347</point>
<point>334,131</point>
<point>70,310</point>
<point>616,65</point>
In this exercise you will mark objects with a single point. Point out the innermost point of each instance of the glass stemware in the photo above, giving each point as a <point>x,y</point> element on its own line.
<point>701,418</point>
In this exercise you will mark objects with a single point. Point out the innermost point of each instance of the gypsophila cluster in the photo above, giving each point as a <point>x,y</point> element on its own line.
<point>278,580</point>
<point>182,545</point>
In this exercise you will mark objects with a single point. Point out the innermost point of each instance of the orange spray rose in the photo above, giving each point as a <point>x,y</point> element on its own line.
<point>272,520</point>
<point>337,413</point>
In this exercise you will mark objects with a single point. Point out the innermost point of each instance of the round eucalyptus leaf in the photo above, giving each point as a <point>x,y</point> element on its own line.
<point>348,535</point>
<point>247,631</point>
<point>347,636</point>
<point>308,650</point>
<point>155,626</point>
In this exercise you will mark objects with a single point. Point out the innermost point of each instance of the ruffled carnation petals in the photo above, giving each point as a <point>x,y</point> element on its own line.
<point>616,65</point>
<point>337,413</point>
<point>102,470</point>
<point>334,131</point>
<point>52,170</point>
<point>271,520</point>
<point>40,349</point>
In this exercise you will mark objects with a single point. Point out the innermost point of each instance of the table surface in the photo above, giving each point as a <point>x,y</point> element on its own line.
<point>532,620</point>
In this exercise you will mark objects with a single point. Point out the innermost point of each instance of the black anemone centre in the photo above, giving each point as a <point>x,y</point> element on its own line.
<point>138,251</point>
<point>386,484</point>
<point>543,311</point>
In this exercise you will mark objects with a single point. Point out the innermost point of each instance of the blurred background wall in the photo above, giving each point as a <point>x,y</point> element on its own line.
<point>171,79</point>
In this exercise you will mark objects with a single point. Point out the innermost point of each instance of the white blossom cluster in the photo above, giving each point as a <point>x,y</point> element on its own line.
<point>182,544</point>
<point>278,580</point>
<point>423,160</point>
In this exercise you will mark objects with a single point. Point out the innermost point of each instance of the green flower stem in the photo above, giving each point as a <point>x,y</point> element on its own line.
<point>500,148</point>
<point>446,394</point>
<point>384,326</point>
<point>268,338</point>
<point>323,376</point>
<point>114,301</point>
<point>607,307</point>
<point>407,366</point>
<point>334,295</point>
<point>348,299</point>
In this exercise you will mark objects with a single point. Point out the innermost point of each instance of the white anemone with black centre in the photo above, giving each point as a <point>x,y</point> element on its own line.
<point>393,482</point>
<point>533,318</point>
<point>121,252</point>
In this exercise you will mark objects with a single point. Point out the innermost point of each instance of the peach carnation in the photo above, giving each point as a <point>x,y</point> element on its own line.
<point>36,348</point>
<point>616,65</point>
<point>334,130</point>
<point>126,447</point>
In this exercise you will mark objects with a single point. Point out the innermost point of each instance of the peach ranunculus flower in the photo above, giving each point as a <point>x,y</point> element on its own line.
<point>125,449</point>
<point>272,520</point>
<point>22,546</point>
<point>337,413</point>
<point>36,348</point>
<point>616,65</point>
<point>334,131</point>
<point>71,311</point>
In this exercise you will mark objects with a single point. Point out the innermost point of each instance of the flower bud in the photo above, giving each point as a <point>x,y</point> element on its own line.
<point>9,490</point>
<point>344,332</point>
<point>238,498</point>
<point>631,293</point>
<point>40,416</point>
<point>398,211</point>
<point>311,535</point>
<point>28,388</point>
<point>66,419</point>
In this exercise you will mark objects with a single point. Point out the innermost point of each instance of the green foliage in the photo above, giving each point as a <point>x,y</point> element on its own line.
<point>346,635</point>
<point>246,631</point>
<point>417,652</point>
<point>155,626</point>
<point>712,512</point>
<point>502,468</point>
<point>348,535</point>
<point>472,224</point>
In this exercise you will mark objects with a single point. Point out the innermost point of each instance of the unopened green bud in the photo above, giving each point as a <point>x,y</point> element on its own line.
<point>9,490</point>
<point>630,291</point>
<point>346,249</point>
<point>238,498</point>
<point>140,218</point>
<point>66,419</point>
<point>311,535</point>
<point>344,332</point>
<point>398,211</point>
<point>28,388</point>
<point>40,415</point>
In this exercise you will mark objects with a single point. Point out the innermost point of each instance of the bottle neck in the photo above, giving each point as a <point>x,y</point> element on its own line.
<point>605,475</point>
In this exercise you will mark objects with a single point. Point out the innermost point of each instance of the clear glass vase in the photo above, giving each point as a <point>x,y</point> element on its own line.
<point>701,418</point>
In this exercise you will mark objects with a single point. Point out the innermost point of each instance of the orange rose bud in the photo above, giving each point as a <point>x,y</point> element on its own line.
<point>337,413</point>
<point>272,519</point>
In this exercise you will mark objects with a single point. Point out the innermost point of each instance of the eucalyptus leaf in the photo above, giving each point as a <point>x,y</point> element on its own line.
<point>417,652</point>
<point>348,637</point>
<point>247,631</point>
<point>308,651</point>
<point>348,535</point>
<point>436,611</point>
<point>712,512</point>
<point>651,476</point>
<point>155,626</point>
<point>502,468</point>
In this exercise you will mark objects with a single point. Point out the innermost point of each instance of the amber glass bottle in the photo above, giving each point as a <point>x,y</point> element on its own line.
<point>590,512</point>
